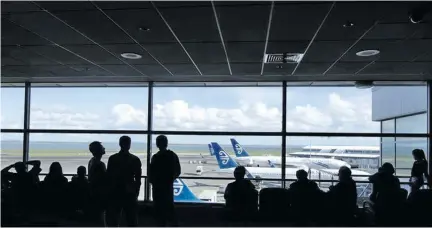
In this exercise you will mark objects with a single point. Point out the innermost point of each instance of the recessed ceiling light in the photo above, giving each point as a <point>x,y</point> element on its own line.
<point>131,56</point>
<point>348,24</point>
<point>366,53</point>
<point>144,29</point>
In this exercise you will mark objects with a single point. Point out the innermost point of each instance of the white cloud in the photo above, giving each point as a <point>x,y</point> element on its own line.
<point>61,117</point>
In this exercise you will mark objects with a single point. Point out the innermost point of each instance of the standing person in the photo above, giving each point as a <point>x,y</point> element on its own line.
<point>164,169</point>
<point>419,169</point>
<point>124,177</point>
<point>97,179</point>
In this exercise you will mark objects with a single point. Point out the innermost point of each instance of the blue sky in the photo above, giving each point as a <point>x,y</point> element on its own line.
<point>318,109</point>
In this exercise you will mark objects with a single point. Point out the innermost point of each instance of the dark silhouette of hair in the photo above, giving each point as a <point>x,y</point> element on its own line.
<point>20,167</point>
<point>344,173</point>
<point>239,172</point>
<point>388,168</point>
<point>162,142</point>
<point>301,174</point>
<point>419,154</point>
<point>55,169</point>
<point>96,148</point>
<point>81,171</point>
<point>125,142</point>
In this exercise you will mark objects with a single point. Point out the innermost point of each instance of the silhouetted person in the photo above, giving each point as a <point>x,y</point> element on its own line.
<point>22,186</point>
<point>164,169</point>
<point>343,198</point>
<point>241,196</point>
<point>55,187</point>
<point>98,181</point>
<point>385,194</point>
<point>124,176</point>
<point>419,171</point>
<point>80,190</point>
<point>304,195</point>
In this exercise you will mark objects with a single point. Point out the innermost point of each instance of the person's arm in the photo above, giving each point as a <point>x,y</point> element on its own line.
<point>35,171</point>
<point>138,172</point>
<point>227,192</point>
<point>6,169</point>
<point>177,167</point>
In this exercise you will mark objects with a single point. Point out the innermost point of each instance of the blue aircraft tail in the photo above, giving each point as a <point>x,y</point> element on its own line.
<point>238,149</point>
<point>182,193</point>
<point>211,150</point>
<point>222,157</point>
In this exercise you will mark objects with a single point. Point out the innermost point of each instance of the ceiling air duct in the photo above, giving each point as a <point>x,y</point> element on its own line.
<point>283,58</point>
<point>364,84</point>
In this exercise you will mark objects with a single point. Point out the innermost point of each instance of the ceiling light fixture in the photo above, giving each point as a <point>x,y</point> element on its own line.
<point>144,29</point>
<point>367,53</point>
<point>348,24</point>
<point>131,56</point>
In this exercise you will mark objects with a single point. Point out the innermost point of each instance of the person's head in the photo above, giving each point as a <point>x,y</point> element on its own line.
<point>55,169</point>
<point>162,142</point>
<point>81,171</point>
<point>418,154</point>
<point>125,143</point>
<point>20,167</point>
<point>97,149</point>
<point>239,172</point>
<point>387,168</point>
<point>344,173</point>
<point>301,175</point>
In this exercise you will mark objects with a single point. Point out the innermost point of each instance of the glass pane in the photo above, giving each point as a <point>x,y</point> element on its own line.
<point>217,108</point>
<point>412,124</point>
<point>404,148</point>
<point>89,108</point>
<point>330,109</point>
<point>388,126</point>
<point>11,149</point>
<point>388,148</point>
<point>196,160</point>
<point>12,108</point>
<point>403,103</point>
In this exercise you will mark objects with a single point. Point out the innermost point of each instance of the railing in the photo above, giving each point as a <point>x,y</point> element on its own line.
<point>363,194</point>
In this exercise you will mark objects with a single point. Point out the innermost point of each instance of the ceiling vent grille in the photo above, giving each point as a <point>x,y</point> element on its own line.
<point>283,58</point>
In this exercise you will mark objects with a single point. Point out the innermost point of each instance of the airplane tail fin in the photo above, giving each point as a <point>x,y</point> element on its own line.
<point>238,149</point>
<point>211,150</point>
<point>182,192</point>
<point>271,164</point>
<point>223,159</point>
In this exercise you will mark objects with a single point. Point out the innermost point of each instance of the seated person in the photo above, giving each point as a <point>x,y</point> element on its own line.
<point>343,197</point>
<point>241,194</point>
<point>305,195</point>
<point>80,189</point>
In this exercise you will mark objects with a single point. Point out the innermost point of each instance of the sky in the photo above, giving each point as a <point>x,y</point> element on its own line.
<point>317,109</point>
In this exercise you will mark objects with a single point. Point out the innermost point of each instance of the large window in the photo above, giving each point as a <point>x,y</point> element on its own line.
<point>412,124</point>
<point>330,109</point>
<point>11,148</point>
<point>89,108</point>
<point>12,108</point>
<point>218,109</point>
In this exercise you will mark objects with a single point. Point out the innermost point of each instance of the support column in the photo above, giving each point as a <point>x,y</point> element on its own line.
<point>284,119</point>
<point>429,123</point>
<point>26,127</point>
<point>147,191</point>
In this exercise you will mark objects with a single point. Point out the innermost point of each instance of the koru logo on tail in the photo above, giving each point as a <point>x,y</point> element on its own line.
<point>239,149</point>
<point>178,187</point>
<point>224,157</point>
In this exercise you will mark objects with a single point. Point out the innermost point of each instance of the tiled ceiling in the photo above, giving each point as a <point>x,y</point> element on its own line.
<point>212,42</point>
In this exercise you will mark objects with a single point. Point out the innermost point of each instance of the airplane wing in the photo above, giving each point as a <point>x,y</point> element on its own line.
<point>333,155</point>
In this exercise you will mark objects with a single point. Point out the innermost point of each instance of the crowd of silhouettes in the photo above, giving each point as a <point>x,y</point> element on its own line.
<point>109,191</point>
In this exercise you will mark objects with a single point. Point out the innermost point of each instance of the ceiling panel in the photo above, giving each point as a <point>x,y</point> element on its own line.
<point>278,69</point>
<point>12,34</point>
<point>133,20</point>
<point>23,56</point>
<point>214,69</point>
<point>182,69</point>
<point>312,68</point>
<point>206,52</point>
<point>198,19</point>
<point>56,31</point>
<point>245,51</point>
<point>326,51</point>
<point>153,70</point>
<point>245,23</point>
<point>246,68</point>
<point>17,7</point>
<point>289,20</point>
<point>287,47</point>
<point>346,67</point>
<point>391,68</point>
<point>58,54</point>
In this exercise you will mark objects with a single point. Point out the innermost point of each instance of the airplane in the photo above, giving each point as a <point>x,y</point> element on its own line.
<point>316,163</point>
<point>227,165</point>
<point>359,152</point>
<point>182,192</point>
